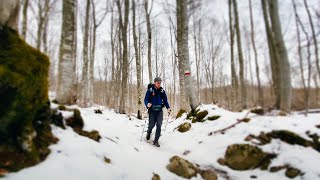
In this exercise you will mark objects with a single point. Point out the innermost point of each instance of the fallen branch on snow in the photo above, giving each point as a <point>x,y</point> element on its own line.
<point>222,131</point>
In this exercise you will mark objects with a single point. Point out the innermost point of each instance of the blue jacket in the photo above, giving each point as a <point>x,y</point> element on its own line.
<point>156,97</point>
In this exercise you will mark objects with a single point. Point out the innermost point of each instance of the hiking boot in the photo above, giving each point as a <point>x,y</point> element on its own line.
<point>148,136</point>
<point>156,143</point>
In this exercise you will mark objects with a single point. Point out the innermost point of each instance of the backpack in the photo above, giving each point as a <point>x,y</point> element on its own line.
<point>151,90</point>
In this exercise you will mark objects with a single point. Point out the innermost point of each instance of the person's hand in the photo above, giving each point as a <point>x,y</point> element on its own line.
<point>149,105</point>
<point>169,110</point>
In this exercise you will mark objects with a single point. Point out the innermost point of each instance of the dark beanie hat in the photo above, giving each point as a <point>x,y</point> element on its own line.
<point>157,79</point>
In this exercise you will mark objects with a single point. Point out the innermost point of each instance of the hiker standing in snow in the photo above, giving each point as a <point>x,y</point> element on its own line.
<point>155,100</point>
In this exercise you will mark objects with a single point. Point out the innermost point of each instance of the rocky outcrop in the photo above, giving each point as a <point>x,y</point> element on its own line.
<point>25,114</point>
<point>182,167</point>
<point>245,157</point>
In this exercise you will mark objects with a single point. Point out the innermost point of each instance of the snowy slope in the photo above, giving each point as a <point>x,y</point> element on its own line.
<point>77,157</point>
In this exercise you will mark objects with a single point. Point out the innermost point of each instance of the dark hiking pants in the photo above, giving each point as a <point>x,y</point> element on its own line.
<point>155,118</point>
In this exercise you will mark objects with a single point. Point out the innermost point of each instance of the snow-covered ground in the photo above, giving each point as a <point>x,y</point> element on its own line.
<point>78,157</point>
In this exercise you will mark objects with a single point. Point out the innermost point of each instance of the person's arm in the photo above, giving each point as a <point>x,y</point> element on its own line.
<point>165,100</point>
<point>146,98</point>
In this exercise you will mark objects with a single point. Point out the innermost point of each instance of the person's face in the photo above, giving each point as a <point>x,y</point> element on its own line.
<point>157,84</point>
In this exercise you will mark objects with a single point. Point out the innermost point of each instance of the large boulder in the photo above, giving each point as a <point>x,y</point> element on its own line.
<point>25,132</point>
<point>182,167</point>
<point>245,157</point>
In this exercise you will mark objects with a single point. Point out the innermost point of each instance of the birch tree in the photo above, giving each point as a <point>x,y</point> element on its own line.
<point>85,78</point>
<point>183,52</point>
<point>64,91</point>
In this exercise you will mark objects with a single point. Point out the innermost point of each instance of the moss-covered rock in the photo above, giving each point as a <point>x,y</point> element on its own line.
<point>107,160</point>
<point>246,120</point>
<point>193,120</point>
<point>246,156</point>
<point>94,134</point>
<point>292,172</point>
<point>257,110</point>
<point>182,167</point>
<point>212,118</point>
<point>282,113</point>
<point>57,119</point>
<point>184,127</point>
<point>55,101</point>
<point>75,121</point>
<point>25,132</point>
<point>277,168</point>
<point>208,174</point>
<point>62,107</point>
<point>201,115</point>
<point>289,137</point>
<point>221,161</point>
<point>179,114</point>
<point>156,177</point>
<point>97,111</point>
<point>192,113</point>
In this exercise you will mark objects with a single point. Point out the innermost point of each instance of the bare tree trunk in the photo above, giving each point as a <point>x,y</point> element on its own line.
<point>234,79</point>
<point>112,48</point>
<point>183,52</point>
<point>314,36</point>
<point>260,92</point>
<point>240,54</point>
<point>64,91</point>
<point>47,7</point>
<point>138,66</point>
<point>74,55</point>
<point>113,60</point>
<point>9,14</point>
<point>40,24</point>
<point>119,73</point>
<point>123,27</point>
<point>284,66</point>
<point>25,18</point>
<point>306,87</point>
<point>156,53</point>
<point>149,37</point>
<point>274,58</point>
<point>85,79</point>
